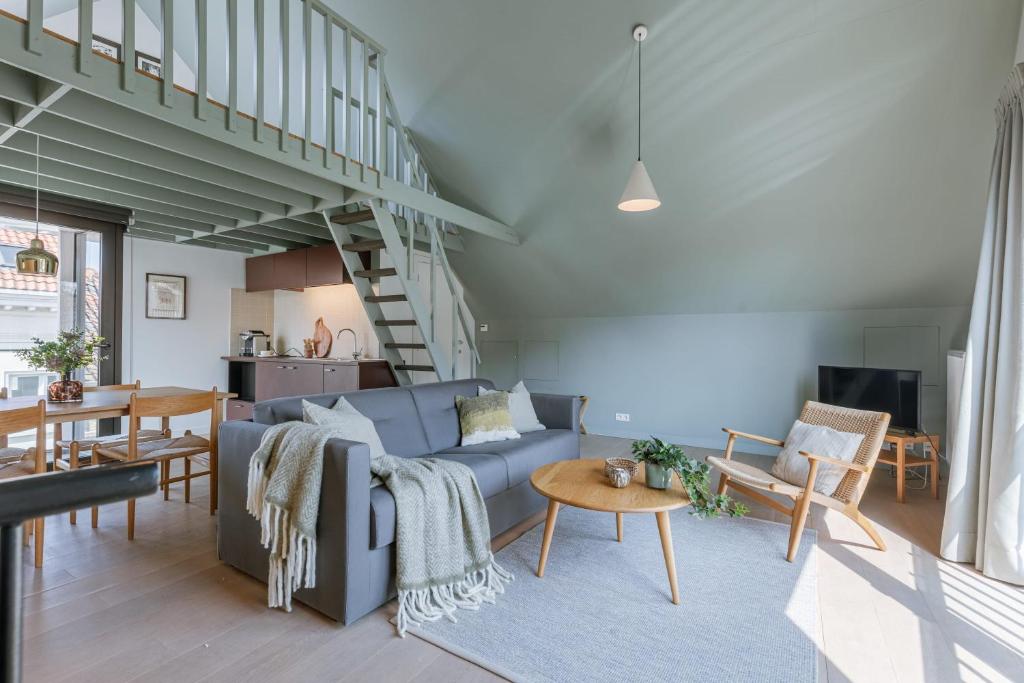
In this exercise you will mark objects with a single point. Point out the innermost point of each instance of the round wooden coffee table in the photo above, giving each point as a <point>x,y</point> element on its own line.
<point>582,484</point>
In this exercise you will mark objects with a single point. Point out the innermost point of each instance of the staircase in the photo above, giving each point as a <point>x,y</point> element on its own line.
<point>209,144</point>
<point>399,251</point>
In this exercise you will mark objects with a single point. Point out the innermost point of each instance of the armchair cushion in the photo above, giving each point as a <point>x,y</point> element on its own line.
<point>754,476</point>
<point>793,468</point>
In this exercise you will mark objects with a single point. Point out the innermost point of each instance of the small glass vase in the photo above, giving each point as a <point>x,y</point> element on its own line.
<point>657,476</point>
<point>64,390</point>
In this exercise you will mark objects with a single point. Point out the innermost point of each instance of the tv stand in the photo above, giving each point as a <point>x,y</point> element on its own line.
<point>898,457</point>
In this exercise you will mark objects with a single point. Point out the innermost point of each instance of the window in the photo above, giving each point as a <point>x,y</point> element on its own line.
<point>29,383</point>
<point>8,253</point>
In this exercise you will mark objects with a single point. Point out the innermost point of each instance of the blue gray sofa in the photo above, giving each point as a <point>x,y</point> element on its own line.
<point>356,529</point>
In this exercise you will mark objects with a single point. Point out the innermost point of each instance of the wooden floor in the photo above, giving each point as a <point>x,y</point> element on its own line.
<point>162,608</point>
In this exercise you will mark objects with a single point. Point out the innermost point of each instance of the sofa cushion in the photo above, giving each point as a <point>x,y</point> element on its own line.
<point>436,404</point>
<point>491,474</point>
<point>392,410</point>
<point>522,456</point>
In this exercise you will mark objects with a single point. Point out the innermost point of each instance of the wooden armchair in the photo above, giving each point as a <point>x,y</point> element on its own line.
<point>750,480</point>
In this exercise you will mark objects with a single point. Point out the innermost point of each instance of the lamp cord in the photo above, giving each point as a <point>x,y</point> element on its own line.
<point>639,92</point>
<point>37,186</point>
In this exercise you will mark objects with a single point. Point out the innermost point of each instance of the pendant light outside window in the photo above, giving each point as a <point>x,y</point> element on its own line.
<point>36,260</point>
<point>639,194</point>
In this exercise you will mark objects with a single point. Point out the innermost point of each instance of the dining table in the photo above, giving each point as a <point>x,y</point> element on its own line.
<point>98,405</point>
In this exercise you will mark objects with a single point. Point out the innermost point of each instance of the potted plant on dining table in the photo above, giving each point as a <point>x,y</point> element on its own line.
<point>661,459</point>
<point>70,351</point>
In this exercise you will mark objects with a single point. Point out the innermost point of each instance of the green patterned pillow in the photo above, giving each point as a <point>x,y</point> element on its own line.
<point>485,418</point>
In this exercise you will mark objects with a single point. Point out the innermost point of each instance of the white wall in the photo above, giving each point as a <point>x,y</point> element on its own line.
<point>339,305</point>
<point>179,352</point>
<point>684,377</point>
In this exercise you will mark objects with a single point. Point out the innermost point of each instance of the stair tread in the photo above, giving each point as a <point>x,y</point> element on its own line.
<point>353,217</point>
<point>423,368</point>
<point>404,323</point>
<point>365,245</point>
<point>376,272</point>
<point>384,298</point>
<point>404,345</point>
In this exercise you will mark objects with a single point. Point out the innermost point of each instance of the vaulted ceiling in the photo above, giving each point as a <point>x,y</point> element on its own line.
<point>810,154</point>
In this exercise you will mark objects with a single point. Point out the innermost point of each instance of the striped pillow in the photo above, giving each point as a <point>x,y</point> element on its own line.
<point>485,418</point>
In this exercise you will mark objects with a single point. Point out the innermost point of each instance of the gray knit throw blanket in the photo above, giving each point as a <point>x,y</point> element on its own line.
<point>443,540</point>
<point>443,545</point>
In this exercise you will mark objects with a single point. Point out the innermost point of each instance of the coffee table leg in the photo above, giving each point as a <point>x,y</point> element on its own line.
<point>549,530</point>
<point>618,525</point>
<point>665,529</point>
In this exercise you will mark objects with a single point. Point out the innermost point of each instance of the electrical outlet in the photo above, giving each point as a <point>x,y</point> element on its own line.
<point>622,417</point>
<point>483,327</point>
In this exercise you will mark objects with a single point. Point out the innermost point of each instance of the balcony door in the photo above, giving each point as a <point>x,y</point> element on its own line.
<point>85,295</point>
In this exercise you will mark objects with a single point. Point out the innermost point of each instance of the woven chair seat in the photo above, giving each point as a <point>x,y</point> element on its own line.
<point>754,476</point>
<point>11,454</point>
<point>112,440</point>
<point>16,462</point>
<point>202,459</point>
<point>160,449</point>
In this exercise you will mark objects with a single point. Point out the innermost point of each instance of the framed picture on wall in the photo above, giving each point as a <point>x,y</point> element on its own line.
<point>147,64</point>
<point>165,296</point>
<point>107,48</point>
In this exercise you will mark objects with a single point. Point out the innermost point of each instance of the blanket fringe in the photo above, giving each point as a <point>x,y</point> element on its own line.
<point>423,605</point>
<point>292,556</point>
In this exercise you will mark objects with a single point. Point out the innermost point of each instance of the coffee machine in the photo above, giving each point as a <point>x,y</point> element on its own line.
<point>251,342</point>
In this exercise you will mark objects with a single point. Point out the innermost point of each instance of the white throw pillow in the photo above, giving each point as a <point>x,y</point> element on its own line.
<point>792,467</point>
<point>354,425</point>
<point>520,405</point>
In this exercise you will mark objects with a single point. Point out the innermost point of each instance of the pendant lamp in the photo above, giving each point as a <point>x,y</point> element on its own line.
<point>639,194</point>
<point>36,260</point>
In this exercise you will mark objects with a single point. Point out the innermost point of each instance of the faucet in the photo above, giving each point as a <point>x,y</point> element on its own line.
<point>356,351</point>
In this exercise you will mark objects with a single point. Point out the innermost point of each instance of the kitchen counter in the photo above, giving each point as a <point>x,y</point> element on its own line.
<point>256,379</point>
<point>302,359</point>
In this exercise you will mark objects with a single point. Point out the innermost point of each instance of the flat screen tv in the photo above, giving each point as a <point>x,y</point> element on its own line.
<point>897,392</point>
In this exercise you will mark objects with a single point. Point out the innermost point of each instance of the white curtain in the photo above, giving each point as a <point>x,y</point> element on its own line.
<point>984,521</point>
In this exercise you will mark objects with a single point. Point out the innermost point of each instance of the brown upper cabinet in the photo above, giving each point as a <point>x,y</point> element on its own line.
<point>298,269</point>
<point>259,273</point>
<point>290,269</point>
<point>324,266</point>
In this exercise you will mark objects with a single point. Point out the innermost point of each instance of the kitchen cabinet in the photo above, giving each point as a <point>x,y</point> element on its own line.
<point>258,379</point>
<point>340,378</point>
<point>290,269</point>
<point>259,273</point>
<point>324,266</point>
<point>298,269</point>
<point>238,410</point>
<point>277,379</point>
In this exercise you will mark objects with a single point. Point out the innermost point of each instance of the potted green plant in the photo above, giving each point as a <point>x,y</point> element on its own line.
<point>661,459</point>
<point>70,351</point>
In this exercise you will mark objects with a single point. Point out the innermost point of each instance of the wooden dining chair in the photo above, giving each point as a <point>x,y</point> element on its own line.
<point>750,479</point>
<point>166,450</point>
<point>75,447</point>
<point>20,462</point>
